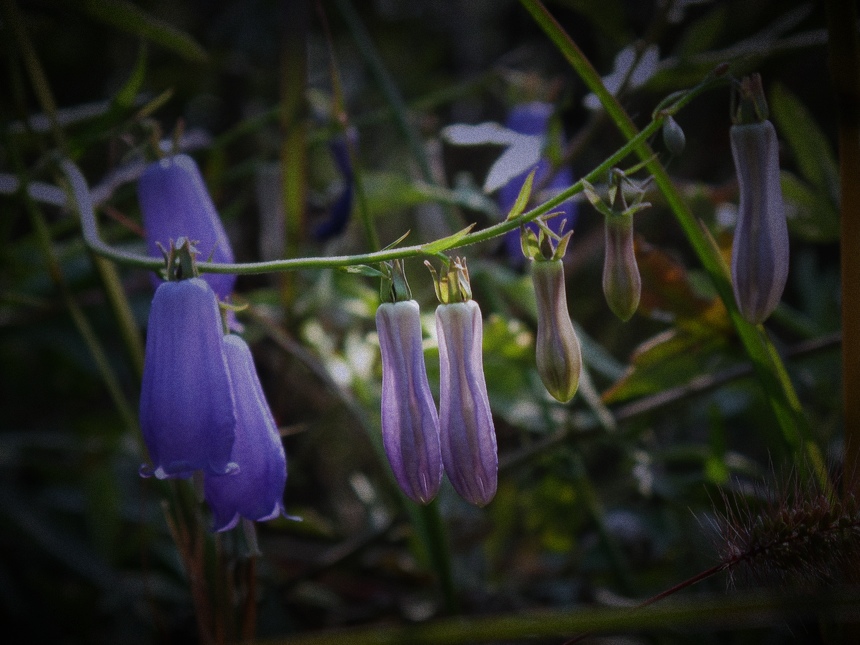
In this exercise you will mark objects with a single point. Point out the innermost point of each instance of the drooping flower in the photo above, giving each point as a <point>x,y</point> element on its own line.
<point>256,491</point>
<point>175,203</point>
<point>760,251</point>
<point>410,424</point>
<point>557,352</point>
<point>187,410</point>
<point>468,436</point>
<point>622,284</point>
<point>533,119</point>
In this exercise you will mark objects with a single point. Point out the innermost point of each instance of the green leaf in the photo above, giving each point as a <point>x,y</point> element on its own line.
<point>127,94</point>
<point>446,242</point>
<point>668,360</point>
<point>524,196</point>
<point>702,34</point>
<point>363,269</point>
<point>809,145</point>
<point>131,18</point>
<point>811,215</point>
<point>387,192</point>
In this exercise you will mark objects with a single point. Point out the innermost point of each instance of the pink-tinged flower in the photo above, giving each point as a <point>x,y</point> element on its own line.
<point>187,411</point>
<point>175,203</point>
<point>760,249</point>
<point>410,424</point>
<point>557,352</point>
<point>465,421</point>
<point>622,284</point>
<point>256,492</point>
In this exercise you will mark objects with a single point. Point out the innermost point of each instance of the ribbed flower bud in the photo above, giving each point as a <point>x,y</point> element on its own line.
<point>175,203</point>
<point>558,357</point>
<point>760,248</point>
<point>622,284</point>
<point>256,492</point>
<point>465,421</point>
<point>187,411</point>
<point>410,424</point>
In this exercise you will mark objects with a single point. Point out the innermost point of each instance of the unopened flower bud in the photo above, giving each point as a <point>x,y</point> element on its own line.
<point>760,248</point>
<point>622,285</point>
<point>673,136</point>
<point>557,353</point>
<point>410,424</point>
<point>465,420</point>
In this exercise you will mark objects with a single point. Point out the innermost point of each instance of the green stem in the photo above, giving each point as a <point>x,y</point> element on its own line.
<point>83,203</point>
<point>723,612</point>
<point>768,365</point>
<point>844,53</point>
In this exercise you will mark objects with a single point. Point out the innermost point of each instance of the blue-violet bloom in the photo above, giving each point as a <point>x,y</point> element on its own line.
<point>760,251</point>
<point>468,436</point>
<point>410,424</point>
<point>187,411</point>
<point>533,119</point>
<point>175,203</point>
<point>256,492</point>
<point>341,150</point>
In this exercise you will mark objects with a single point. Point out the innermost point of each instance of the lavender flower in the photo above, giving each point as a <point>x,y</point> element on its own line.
<point>175,203</point>
<point>468,436</point>
<point>760,248</point>
<point>186,404</point>
<point>256,491</point>
<point>410,425</point>
<point>533,119</point>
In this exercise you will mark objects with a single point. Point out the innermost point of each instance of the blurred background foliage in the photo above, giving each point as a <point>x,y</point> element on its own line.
<point>609,497</point>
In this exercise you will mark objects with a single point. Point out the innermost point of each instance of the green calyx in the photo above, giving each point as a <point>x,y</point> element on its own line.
<point>393,286</point>
<point>749,104</point>
<point>179,260</point>
<point>451,282</point>
<point>616,205</point>
<point>545,245</point>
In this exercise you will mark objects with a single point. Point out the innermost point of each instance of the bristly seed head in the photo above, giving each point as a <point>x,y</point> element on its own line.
<point>796,536</point>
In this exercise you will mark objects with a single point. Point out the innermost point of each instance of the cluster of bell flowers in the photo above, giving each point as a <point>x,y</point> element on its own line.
<point>461,437</point>
<point>202,408</point>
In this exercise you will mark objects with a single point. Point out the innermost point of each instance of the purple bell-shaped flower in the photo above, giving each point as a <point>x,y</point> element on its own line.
<point>410,424</point>
<point>175,203</point>
<point>187,410</point>
<point>760,250</point>
<point>256,491</point>
<point>468,436</point>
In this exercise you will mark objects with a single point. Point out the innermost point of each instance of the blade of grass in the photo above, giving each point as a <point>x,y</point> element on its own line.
<point>131,18</point>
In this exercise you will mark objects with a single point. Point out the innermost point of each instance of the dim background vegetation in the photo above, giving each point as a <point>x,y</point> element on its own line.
<point>597,500</point>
